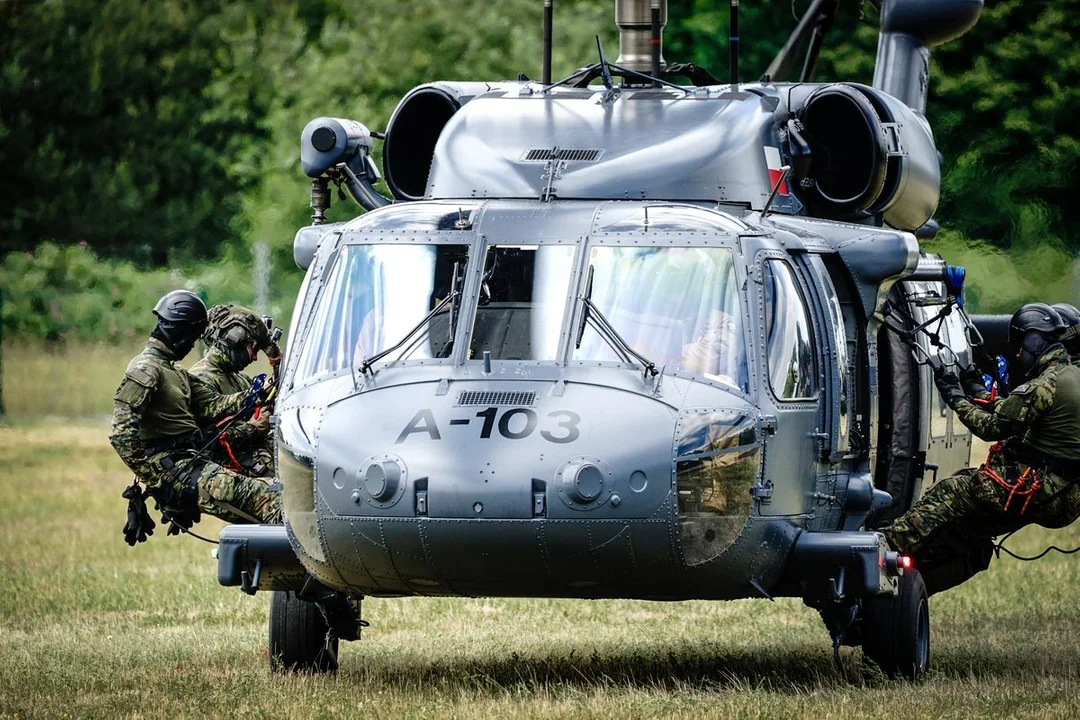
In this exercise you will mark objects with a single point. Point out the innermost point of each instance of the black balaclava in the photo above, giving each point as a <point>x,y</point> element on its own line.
<point>181,320</point>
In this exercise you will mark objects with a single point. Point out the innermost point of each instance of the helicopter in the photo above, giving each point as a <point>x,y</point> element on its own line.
<point>615,336</point>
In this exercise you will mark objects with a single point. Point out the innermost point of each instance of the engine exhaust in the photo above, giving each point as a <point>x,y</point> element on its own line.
<point>635,21</point>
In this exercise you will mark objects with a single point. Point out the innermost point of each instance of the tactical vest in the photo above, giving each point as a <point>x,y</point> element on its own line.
<point>168,412</point>
<point>1057,431</point>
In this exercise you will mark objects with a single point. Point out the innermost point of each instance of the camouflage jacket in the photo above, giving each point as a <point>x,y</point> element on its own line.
<point>157,400</point>
<point>1043,413</point>
<point>211,372</point>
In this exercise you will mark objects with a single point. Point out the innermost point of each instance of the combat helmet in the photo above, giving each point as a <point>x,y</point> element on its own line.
<point>1070,337</point>
<point>1033,329</point>
<point>181,320</point>
<point>232,329</point>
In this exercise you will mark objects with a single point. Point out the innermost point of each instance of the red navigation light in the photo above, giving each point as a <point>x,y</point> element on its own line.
<point>906,562</point>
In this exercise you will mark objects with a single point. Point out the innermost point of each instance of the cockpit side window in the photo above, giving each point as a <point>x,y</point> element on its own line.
<point>374,296</point>
<point>523,294</point>
<point>792,360</point>
<point>677,306</point>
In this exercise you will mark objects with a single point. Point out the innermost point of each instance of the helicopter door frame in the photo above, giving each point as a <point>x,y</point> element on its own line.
<point>837,378</point>
<point>795,420</point>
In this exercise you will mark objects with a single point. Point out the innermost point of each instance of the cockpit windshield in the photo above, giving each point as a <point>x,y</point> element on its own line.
<point>677,306</point>
<point>376,294</point>
<point>523,295</point>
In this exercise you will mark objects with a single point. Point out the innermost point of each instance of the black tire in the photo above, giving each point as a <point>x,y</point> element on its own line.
<point>298,637</point>
<point>896,630</point>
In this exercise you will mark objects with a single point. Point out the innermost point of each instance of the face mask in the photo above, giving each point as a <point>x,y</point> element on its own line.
<point>179,338</point>
<point>1032,347</point>
<point>238,356</point>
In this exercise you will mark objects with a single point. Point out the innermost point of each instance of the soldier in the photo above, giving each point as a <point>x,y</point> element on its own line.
<point>155,431</point>
<point>1070,337</point>
<point>1032,475</point>
<point>235,336</point>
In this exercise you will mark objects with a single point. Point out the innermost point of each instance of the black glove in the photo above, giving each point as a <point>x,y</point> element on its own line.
<point>949,387</point>
<point>139,525</point>
<point>179,507</point>
<point>971,379</point>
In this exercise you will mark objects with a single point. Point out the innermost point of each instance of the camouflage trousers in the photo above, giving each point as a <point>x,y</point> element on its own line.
<point>948,532</point>
<point>223,493</point>
<point>255,457</point>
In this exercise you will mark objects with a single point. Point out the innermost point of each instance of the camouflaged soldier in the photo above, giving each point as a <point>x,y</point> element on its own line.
<point>1070,337</point>
<point>235,336</point>
<point>155,428</point>
<point>1031,476</point>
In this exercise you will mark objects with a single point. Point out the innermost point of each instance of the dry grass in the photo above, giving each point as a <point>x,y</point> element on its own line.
<point>92,628</point>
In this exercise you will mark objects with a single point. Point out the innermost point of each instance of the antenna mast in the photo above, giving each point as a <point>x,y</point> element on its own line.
<point>733,44</point>
<point>548,12</point>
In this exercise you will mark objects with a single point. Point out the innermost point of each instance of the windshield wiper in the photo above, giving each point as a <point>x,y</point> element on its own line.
<point>591,314</point>
<point>365,366</point>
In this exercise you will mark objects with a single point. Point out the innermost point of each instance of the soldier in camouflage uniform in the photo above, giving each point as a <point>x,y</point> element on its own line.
<point>1070,337</point>
<point>1032,476</point>
<point>235,335</point>
<point>155,426</point>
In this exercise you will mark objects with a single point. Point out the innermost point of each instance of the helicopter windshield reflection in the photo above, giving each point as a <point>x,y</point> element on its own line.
<point>678,306</point>
<point>374,295</point>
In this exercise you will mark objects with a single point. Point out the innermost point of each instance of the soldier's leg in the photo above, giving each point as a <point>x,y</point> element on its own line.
<point>1057,504</point>
<point>964,559</point>
<point>255,459</point>
<point>943,506</point>
<point>229,492</point>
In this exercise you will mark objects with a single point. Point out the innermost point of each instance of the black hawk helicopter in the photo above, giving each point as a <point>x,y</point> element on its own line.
<point>620,337</point>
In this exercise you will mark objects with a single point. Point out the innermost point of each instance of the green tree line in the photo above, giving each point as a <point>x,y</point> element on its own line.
<point>140,135</point>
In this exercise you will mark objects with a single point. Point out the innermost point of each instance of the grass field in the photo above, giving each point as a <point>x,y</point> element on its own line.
<point>93,628</point>
<point>70,380</point>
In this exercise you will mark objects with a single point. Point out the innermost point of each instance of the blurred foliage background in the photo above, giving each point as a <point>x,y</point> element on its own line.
<point>151,145</point>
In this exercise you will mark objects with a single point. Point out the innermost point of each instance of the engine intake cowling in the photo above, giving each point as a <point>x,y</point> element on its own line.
<point>414,129</point>
<point>871,155</point>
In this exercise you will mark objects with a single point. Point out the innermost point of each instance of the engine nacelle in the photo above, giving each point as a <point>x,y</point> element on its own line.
<point>871,154</point>
<point>414,129</point>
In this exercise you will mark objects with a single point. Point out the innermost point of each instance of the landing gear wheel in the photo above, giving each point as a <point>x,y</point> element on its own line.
<point>298,637</point>
<point>896,630</point>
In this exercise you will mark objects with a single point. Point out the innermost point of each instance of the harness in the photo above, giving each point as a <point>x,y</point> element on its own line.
<point>1025,486</point>
<point>188,441</point>
<point>249,408</point>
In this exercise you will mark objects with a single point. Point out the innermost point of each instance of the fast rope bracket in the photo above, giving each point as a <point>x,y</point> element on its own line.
<point>898,319</point>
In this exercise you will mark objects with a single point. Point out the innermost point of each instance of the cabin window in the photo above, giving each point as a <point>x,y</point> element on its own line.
<point>374,295</point>
<point>523,293</point>
<point>792,361</point>
<point>679,307</point>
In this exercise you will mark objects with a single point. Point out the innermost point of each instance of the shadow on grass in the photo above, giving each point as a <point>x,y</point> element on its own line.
<point>705,667</point>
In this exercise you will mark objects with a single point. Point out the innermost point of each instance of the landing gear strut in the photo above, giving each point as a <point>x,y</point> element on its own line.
<point>304,634</point>
<point>894,631</point>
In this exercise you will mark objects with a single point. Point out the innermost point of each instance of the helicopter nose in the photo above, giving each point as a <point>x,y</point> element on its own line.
<point>401,452</point>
